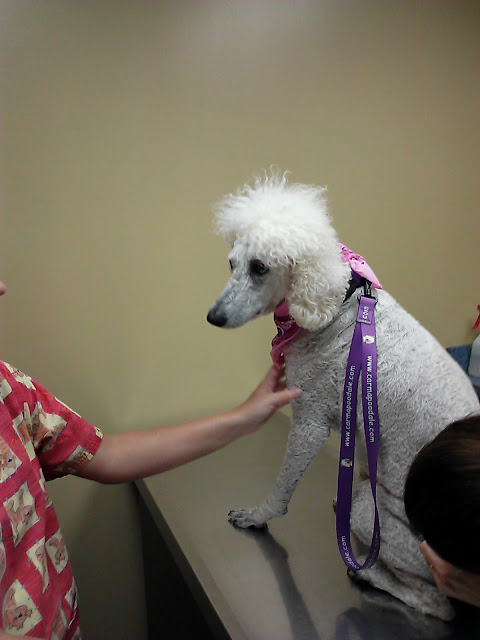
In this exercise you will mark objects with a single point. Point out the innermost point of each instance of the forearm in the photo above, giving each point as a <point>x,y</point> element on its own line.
<point>124,457</point>
<point>128,456</point>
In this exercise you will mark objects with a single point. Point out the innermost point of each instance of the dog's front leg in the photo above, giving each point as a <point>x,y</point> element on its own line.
<point>303,444</point>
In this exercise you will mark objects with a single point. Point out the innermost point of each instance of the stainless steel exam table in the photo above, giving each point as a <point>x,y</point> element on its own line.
<point>206,579</point>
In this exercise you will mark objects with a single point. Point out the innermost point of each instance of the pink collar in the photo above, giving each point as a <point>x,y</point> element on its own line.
<point>287,328</point>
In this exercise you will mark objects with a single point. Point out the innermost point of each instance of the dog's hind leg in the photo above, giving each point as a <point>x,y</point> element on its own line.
<point>303,445</point>
<point>400,569</point>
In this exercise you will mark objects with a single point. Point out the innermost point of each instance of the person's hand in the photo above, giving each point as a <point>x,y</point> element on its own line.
<point>270,395</point>
<point>452,581</point>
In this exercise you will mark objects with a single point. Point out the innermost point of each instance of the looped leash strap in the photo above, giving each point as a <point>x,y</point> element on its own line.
<point>362,359</point>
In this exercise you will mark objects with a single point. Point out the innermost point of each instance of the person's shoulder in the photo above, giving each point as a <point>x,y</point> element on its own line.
<point>14,377</point>
<point>6,370</point>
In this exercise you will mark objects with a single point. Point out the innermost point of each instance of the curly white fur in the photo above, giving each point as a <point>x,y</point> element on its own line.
<point>260,217</point>
<point>283,246</point>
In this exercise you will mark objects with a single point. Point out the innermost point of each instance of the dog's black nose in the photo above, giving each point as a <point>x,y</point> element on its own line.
<point>216,318</point>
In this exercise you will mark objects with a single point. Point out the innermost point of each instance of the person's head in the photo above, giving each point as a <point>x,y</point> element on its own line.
<point>442,493</point>
<point>3,288</point>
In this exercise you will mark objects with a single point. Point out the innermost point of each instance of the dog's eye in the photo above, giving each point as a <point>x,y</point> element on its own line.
<point>258,268</point>
<point>231,265</point>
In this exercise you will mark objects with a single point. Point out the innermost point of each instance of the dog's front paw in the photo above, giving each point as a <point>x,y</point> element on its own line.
<point>244,518</point>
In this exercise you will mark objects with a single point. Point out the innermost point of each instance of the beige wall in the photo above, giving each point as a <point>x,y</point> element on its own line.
<point>123,121</point>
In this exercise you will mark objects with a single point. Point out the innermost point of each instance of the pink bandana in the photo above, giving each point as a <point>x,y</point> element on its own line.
<point>358,265</point>
<point>287,328</point>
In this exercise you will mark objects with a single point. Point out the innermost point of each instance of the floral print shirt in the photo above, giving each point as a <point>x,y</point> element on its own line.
<point>40,439</point>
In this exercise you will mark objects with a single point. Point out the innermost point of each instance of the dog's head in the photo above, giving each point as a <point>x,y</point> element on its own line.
<point>283,247</point>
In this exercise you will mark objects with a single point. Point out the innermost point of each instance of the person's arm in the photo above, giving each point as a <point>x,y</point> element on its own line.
<point>132,455</point>
<point>450,580</point>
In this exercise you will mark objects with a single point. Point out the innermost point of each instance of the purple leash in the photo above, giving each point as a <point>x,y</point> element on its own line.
<point>362,359</point>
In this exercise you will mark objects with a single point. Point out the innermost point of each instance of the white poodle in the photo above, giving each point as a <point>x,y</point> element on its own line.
<point>284,248</point>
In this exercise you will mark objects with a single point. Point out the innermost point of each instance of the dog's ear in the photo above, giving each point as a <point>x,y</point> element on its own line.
<point>316,293</point>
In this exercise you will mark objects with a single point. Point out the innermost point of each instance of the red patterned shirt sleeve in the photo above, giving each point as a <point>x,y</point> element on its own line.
<point>63,441</point>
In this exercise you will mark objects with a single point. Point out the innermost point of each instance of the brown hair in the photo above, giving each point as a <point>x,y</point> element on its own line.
<point>442,494</point>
